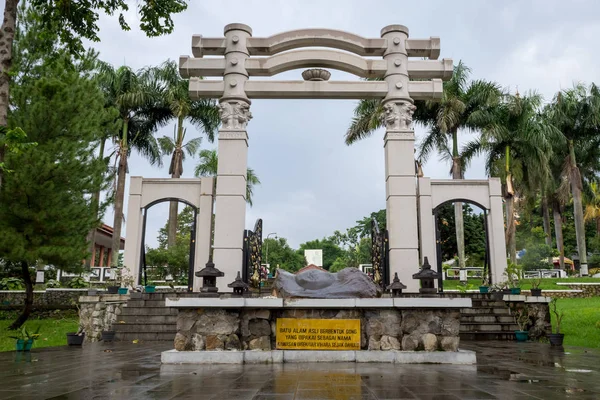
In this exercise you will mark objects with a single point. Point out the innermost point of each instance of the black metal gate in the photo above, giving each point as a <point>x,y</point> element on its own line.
<point>380,255</point>
<point>438,242</point>
<point>252,272</point>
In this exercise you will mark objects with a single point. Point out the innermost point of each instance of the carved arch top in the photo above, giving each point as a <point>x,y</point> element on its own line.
<point>269,66</point>
<point>295,39</point>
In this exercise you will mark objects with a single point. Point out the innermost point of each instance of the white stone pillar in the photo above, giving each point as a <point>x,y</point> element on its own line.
<point>203,229</point>
<point>496,233</point>
<point>399,143</point>
<point>234,109</point>
<point>427,239</point>
<point>133,242</point>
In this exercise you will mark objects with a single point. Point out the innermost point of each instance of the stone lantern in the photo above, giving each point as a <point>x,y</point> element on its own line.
<point>396,286</point>
<point>426,275</point>
<point>238,285</point>
<point>209,275</point>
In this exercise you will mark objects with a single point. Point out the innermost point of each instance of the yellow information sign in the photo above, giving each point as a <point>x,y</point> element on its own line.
<point>318,334</point>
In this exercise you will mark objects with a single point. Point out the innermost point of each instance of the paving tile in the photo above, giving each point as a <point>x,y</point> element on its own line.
<point>393,393</point>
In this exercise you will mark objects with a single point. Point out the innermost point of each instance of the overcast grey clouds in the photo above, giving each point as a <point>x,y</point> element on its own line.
<point>312,183</point>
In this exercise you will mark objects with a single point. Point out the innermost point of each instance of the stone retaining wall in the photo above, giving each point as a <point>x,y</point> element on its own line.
<point>99,313</point>
<point>49,298</point>
<point>254,329</point>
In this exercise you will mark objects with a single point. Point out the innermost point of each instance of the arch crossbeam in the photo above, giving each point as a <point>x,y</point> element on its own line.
<point>331,38</point>
<point>418,90</point>
<point>269,66</point>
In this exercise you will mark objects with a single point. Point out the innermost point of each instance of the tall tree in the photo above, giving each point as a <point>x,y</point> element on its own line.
<point>464,106</point>
<point>50,184</point>
<point>135,100</point>
<point>208,164</point>
<point>517,139</point>
<point>576,114</point>
<point>175,103</point>
<point>72,22</point>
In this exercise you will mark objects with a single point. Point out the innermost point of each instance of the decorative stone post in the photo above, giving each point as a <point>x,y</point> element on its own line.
<point>399,141</point>
<point>234,111</point>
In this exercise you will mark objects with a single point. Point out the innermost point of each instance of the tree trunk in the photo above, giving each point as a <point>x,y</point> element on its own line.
<point>459,224</point>
<point>95,208</point>
<point>7,36</point>
<point>119,198</point>
<point>558,231</point>
<point>172,233</point>
<point>509,197</point>
<point>576,188</point>
<point>547,229</point>
<point>28,297</point>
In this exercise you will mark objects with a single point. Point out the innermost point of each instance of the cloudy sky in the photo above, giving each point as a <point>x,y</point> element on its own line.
<point>312,183</point>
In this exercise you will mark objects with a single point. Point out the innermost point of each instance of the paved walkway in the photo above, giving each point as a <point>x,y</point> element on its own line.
<point>133,371</point>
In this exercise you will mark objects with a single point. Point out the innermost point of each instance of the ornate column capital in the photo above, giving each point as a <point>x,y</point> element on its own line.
<point>398,115</point>
<point>234,115</point>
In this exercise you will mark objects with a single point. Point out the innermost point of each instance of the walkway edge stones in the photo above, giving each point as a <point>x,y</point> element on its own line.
<point>460,357</point>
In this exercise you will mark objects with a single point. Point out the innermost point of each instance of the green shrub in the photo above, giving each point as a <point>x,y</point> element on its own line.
<point>78,283</point>
<point>52,284</point>
<point>11,284</point>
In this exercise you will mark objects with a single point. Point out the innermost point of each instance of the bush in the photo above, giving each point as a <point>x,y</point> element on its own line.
<point>78,283</point>
<point>536,257</point>
<point>11,284</point>
<point>52,284</point>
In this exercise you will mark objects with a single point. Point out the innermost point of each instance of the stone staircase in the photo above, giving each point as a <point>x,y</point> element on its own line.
<point>147,319</point>
<point>488,319</point>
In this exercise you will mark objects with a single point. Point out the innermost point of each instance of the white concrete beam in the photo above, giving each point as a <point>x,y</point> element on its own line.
<point>418,90</point>
<point>429,69</point>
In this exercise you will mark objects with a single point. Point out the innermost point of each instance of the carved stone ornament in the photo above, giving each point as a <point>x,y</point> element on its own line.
<point>234,115</point>
<point>398,115</point>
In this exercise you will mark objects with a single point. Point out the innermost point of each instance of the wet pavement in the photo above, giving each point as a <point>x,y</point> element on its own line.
<point>505,370</point>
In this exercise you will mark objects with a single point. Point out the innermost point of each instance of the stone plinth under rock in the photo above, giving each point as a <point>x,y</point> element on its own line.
<point>348,283</point>
<point>381,329</point>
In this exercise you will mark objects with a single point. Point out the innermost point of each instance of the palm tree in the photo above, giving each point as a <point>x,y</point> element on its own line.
<point>576,114</point>
<point>518,143</point>
<point>175,103</point>
<point>464,105</point>
<point>134,98</point>
<point>207,166</point>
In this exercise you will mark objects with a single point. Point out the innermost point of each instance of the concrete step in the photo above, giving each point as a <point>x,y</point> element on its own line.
<point>149,319</point>
<point>145,303</point>
<point>146,336</point>
<point>497,335</point>
<point>477,327</point>
<point>485,310</point>
<point>155,328</point>
<point>488,303</point>
<point>483,318</point>
<point>129,310</point>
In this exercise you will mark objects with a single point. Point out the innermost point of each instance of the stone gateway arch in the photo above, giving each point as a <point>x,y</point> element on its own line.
<point>403,70</point>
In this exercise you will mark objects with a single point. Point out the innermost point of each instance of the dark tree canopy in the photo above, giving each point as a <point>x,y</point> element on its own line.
<point>77,20</point>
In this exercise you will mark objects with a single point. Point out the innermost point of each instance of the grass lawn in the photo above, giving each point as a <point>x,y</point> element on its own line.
<point>547,283</point>
<point>581,323</point>
<point>52,332</point>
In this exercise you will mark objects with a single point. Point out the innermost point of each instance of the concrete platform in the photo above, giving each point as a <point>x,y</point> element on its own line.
<point>461,357</point>
<point>399,302</point>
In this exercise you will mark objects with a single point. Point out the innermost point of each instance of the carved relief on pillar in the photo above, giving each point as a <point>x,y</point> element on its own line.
<point>234,115</point>
<point>398,115</point>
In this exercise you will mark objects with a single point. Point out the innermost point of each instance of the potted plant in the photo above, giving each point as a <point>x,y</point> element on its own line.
<point>496,292</point>
<point>485,284</point>
<point>112,288</point>
<point>556,339</point>
<point>76,338</point>
<point>25,338</point>
<point>535,287</point>
<point>515,287</point>
<point>522,320</point>
<point>512,273</point>
<point>149,288</point>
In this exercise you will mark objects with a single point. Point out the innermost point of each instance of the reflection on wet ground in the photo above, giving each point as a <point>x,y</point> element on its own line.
<point>505,370</point>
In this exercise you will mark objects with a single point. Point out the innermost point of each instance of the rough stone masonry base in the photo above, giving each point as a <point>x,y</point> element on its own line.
<point>301,356</point>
